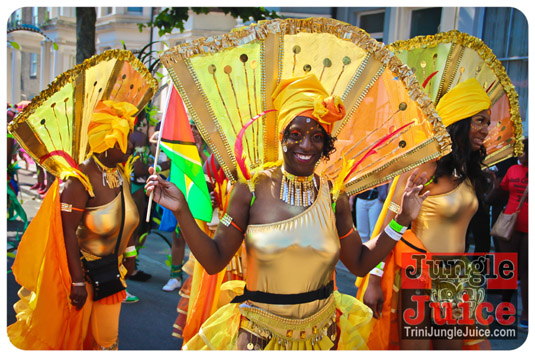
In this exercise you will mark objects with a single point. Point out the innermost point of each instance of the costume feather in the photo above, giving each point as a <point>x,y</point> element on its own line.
<point>238,147</point>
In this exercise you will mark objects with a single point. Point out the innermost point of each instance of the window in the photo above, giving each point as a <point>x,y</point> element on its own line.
<point>135,10</point>
<point>425,21</point>
<point>33,65</point>
<point>373,23</point>
<point>509,42</point>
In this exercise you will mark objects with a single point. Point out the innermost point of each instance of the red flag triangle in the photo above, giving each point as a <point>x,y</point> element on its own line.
<point>177,127</point>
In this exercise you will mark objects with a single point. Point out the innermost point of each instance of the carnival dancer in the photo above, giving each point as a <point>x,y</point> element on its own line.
<point>70,261</point>
<point>292,247</point>
<point>281,81</point>
<point>473,114</point>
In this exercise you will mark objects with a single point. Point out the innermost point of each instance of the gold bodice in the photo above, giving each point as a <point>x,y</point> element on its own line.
<point>443,220</point>
<point>100,225</point>
<point>294,256</point>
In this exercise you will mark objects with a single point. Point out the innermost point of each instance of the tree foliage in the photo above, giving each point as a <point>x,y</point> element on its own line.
<point>175,17</point>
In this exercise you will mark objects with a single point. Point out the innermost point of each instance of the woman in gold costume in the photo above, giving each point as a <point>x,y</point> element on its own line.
<point>91,225</point>
<point>457,182</point>
<point>69,262</point>
<point>293,238</point>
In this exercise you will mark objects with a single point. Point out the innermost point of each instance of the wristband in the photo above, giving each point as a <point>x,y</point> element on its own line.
<point>376,271</point>
<point>80,283</point>
<point>130,252</point>
<point>397,227</point>
<point>392,233</point>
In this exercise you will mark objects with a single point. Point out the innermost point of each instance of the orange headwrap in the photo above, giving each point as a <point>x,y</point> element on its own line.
<point>306,96</point>
<point>462,101</point>
<point>111,123</point>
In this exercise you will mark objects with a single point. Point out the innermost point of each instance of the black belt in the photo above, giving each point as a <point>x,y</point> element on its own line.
<point>285,299</point>
<point>368,195</point>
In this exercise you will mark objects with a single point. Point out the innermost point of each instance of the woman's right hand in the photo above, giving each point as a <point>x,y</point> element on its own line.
<point>166,194</point>
<point>373,296</point>
<point>78,296</point>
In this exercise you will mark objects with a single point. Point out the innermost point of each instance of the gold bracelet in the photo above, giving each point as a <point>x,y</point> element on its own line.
<point>394,207</point>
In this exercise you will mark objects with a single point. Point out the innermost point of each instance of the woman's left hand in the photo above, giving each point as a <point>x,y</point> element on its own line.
<point>411,201</point>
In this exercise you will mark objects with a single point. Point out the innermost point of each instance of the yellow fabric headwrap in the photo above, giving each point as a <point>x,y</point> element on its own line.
<point>306,95</point>
<point>110,124</point>
<point>462,101</point>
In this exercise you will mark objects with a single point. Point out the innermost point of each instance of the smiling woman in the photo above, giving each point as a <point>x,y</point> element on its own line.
<point>293,236</point>
<point>279,92</point>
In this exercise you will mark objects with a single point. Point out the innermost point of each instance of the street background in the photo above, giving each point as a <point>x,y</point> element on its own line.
<point>148,324</point>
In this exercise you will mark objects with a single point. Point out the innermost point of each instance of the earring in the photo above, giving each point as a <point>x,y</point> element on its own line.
<point>284,148</point>
<point>106,154</point>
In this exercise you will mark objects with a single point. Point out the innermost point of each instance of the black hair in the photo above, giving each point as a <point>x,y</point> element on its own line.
<point>328,142</point>
<point>466,162</point>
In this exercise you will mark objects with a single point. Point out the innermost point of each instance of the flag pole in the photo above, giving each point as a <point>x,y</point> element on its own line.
<point>157,154</point>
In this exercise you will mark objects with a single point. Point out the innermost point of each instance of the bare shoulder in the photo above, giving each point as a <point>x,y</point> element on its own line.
<point>74,192</point>
<point>73,189</point>
<point>241,193</point>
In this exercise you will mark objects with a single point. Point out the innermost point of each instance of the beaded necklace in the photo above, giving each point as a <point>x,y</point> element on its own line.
<point>110,176</point>
<point>297,190</point>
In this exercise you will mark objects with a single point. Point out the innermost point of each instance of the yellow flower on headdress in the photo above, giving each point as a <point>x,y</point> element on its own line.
<point>462,101</point>
<point>111,123</point>
<point>306,96</point>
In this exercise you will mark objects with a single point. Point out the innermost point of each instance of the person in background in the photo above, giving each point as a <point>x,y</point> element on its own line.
<point>368,206</point>
<point>515,183</point>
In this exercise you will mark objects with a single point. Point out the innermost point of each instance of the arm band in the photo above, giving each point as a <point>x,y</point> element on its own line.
<point>130,252</point>
<point>227,221</point>
<point>376,271</point>
<point>397,227</point>
<point>348,233</point>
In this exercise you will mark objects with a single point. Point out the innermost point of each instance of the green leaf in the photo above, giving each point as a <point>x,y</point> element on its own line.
<point>15,45</point>
<point>55,45</point>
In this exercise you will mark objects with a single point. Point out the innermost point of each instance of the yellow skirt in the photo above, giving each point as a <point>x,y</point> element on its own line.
<point>220,331</point>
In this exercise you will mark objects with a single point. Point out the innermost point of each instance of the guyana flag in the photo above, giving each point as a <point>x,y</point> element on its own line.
<point>186,173</point>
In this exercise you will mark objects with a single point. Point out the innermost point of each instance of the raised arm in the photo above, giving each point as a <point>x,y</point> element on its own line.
<point>213,254</point>
<point>361,258</point>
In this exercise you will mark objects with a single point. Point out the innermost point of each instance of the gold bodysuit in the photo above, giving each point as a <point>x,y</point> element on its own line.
<point>294,256</point>
<point>100,225</point>
<point>443,220</point>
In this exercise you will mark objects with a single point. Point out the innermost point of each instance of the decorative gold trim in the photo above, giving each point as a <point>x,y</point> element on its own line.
<point>476,44</point>
<point>367,180</point>
<point>279,27</point>
<point>70,75</point>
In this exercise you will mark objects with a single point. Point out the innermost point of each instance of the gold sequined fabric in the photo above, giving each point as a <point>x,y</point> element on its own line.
<point>390,124</point>
<point>443,60</point>
<point>53,128</point>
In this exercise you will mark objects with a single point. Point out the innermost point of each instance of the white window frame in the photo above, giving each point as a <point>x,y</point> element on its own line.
<point>33,64</point>
<point>375,35</point>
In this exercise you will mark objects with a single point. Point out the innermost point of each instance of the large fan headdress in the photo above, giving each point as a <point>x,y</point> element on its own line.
<point>443,60</point>
<point>390,124</point>
<point>53,127</point>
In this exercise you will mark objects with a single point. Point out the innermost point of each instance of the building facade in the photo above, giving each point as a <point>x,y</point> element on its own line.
<point>46,36</point>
